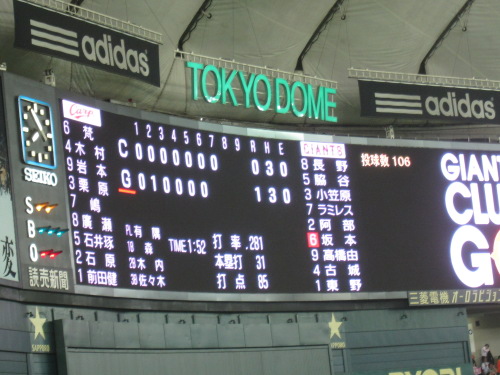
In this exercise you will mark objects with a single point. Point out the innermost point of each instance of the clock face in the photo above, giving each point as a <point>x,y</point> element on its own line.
<point>37,135</point>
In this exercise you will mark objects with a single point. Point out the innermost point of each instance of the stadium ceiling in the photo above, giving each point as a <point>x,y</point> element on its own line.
<point>320,38</point>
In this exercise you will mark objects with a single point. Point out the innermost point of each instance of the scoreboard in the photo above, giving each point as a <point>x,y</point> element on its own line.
<point>111,200</point>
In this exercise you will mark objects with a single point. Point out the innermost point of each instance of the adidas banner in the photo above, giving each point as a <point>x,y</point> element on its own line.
<point>49,32</point>
<point>387,99</point>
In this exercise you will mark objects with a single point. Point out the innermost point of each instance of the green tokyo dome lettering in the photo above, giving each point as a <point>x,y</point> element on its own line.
<point>278,92</point>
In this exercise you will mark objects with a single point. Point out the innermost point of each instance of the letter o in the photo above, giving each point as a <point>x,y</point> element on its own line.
<point>267,84</point>
<point>53,179</point>
<point>295,110</point>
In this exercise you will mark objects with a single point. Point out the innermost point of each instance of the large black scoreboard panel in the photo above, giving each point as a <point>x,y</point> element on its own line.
<point>162,207</point>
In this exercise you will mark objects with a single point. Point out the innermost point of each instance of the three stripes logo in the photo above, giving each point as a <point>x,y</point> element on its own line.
<point>58,34</point>
<point>54,38</point>
<point>390,99</point>
<point>398,103</point>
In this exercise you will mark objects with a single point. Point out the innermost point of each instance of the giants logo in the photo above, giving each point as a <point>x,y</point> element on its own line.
<point>473,197</point>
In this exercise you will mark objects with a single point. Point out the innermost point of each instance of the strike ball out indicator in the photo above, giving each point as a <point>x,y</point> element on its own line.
<point>51,253</point>
<point>46,206</point>
<point>51,231</point>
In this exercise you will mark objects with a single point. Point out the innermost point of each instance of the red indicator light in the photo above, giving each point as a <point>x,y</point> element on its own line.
<point>54,254</point>
<point>49,253</point>
<point>45,253</point>
<point>312,239</point>
<point>127,191</point>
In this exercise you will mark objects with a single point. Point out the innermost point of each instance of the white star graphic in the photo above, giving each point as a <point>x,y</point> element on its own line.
<point>38,323</point>
<point>334,327</point>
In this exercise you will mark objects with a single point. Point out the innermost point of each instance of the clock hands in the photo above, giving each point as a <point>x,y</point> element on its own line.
<point>38,124</point>
<point>36,127</point>
<point>35,136</point>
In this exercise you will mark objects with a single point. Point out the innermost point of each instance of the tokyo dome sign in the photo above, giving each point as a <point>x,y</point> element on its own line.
<point>256,90</point>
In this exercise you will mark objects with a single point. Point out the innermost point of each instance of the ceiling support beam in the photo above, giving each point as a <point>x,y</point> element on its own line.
<point>194,22</point>
<point>315,36</point>
<point>443,35</point>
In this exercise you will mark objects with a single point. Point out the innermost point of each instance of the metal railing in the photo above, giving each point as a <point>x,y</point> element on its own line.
<point>377,75</point>
<point>99,18</point>
<point>248,68</point>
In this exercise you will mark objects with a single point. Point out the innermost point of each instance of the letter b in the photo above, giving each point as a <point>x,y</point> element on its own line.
<point>30,224</point>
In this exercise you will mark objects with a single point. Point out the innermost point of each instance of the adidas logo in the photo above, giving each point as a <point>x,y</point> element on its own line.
<point>448,106</point>
<point>103,50</point>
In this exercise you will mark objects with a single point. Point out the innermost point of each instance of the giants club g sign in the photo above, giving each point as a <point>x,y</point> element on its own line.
<point>384,99</point>
<point>66,37</point>
<point>471,201</point>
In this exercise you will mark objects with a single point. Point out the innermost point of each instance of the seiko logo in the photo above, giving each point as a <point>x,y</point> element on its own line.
<point>40,177</point>
<point>106,53</point>
<point>451,106</point>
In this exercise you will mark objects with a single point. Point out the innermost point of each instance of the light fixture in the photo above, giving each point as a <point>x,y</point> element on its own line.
<point>45,253</point>
<point>51,253</point>
<point>102,19</point>
<point>49,77</point>
<point>51,231</point>
<point>54,254</point>
<point>423,79</point>
<point>42,230</point>
<point>46,206</point>
<point>60,232</point>
<point>41,206</point>
<point>50,207</point>
<point>254,69</point>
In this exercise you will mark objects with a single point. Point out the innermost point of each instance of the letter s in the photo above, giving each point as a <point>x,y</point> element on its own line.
<point>489,109</point>
<point>143,62</point>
